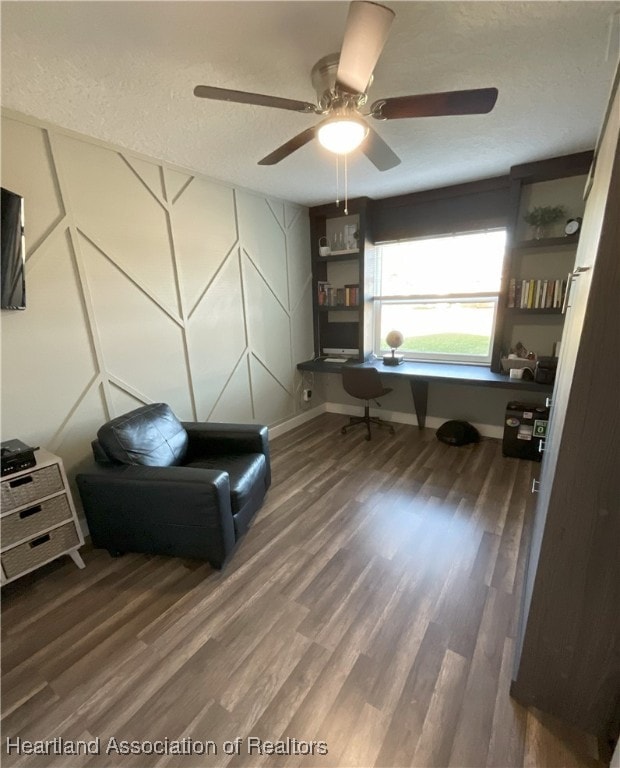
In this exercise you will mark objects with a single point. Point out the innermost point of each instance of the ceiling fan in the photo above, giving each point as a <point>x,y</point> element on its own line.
<point>341,81</point>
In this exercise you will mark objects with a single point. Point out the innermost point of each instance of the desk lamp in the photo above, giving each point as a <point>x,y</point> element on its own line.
<point>394,340</point>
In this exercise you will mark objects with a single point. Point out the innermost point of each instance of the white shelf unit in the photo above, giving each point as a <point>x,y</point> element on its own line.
<point>38,521</point>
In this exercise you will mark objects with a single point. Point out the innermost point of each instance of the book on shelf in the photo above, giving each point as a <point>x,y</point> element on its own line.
<point>535,294</point>
<point>512,286</point>
<point>351,295</point>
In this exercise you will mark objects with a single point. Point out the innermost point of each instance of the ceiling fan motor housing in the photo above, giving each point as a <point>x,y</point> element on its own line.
<point>328,94</point>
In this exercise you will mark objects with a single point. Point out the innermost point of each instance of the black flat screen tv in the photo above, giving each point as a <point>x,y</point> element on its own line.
<point>12,260</point>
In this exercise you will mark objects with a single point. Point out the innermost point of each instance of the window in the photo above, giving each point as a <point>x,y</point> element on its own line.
<point>441,293</point>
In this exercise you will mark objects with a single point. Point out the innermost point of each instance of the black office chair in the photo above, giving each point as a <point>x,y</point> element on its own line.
<point>365,384</point>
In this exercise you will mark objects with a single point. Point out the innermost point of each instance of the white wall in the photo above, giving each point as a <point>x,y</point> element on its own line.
<point>146,283</point>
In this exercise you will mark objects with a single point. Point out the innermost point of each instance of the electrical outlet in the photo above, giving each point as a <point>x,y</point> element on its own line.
<point>307,395</point>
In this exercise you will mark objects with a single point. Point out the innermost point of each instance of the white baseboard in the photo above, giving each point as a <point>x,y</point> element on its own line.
<point>398,417</point>
<point>297,421</point>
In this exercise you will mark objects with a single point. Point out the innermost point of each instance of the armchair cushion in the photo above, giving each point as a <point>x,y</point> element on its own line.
<point>151,435</point>
<point>215,439</point>
<point>245,470</point>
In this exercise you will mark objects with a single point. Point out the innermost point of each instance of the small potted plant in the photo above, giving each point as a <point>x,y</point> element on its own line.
<point>542,216</point>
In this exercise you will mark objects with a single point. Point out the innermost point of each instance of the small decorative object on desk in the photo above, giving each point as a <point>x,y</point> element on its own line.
<point>394,340</point>
<point>513,362</point>
<point>518,359</point>
<point>542,216</point>
<point>519,350</point>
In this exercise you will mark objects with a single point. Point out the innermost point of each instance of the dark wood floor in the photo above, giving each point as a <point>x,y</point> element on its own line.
<point>372,606</point>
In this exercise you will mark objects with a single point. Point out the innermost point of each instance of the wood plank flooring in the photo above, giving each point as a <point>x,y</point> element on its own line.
<point>372,606</point>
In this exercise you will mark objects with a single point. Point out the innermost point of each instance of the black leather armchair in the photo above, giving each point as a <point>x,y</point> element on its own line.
<point>188,489</point>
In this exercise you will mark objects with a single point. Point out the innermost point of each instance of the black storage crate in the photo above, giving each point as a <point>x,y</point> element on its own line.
<point>525,426</point>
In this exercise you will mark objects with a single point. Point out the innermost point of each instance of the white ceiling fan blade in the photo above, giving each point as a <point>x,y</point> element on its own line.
<point>368,25</point>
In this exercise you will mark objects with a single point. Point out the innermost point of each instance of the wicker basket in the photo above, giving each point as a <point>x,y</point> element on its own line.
<point>39,550</point>
<point>28,522</point>
<point>26,488</point>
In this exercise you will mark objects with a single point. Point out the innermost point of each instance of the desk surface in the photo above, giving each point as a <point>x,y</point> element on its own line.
<point>449,373</point>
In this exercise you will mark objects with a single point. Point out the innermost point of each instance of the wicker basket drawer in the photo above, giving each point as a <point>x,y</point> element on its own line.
<point>40,549</point>
<point>31,487</point>
<point>32,520</point>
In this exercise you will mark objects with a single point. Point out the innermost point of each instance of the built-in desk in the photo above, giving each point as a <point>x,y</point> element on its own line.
<point>420,374</point>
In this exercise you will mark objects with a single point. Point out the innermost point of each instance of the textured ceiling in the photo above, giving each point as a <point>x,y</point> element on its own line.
<point>124,72</point>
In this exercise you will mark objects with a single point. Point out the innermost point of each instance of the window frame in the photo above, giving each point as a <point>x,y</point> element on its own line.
<point>493,297</point>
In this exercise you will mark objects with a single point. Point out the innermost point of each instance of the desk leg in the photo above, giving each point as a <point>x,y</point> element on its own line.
<point>419,392</point>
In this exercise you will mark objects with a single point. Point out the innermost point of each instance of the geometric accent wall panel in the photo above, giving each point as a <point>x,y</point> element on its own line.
<point>123,401</point>
<point>114,208</point>
<point>268,327</point>
<point>297,239</point>
<point>216,336</point>
<point>205,230</point>
<point>235,404</point>
<point>301,320</point>
<point>142,345</point>
<point>149,173</point>
<point>146,283</point>
<point>74,442</point>
<point>46,353</point>
<point>278,210</point>
<point>25,156</point>
<point>175,181</point>
<point>264,241</point>
<point>272,403</point>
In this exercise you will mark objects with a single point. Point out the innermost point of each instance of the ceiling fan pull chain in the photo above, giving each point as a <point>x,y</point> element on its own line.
<point>337,183</point>
<point>346,189</point>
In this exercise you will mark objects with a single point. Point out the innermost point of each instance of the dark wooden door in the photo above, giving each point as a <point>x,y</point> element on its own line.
<point>568,648</point>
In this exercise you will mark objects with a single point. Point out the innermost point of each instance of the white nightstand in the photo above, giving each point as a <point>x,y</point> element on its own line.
<point>38,522</point>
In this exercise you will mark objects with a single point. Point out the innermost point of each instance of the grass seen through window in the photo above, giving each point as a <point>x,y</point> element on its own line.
<point>441,294</point>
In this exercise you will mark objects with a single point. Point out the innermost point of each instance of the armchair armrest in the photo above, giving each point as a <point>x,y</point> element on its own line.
<point>131,504</point>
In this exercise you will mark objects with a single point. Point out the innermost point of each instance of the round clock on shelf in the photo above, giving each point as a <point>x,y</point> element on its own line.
<point>572,226</point>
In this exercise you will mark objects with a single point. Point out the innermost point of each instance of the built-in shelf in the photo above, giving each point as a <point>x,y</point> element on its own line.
<point>340,256</point>
<point>533,311</point>
<point>348,271</point>
<point>546,242</point>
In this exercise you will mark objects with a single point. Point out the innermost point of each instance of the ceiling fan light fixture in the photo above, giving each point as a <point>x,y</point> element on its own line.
<point>342,134</point>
